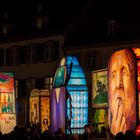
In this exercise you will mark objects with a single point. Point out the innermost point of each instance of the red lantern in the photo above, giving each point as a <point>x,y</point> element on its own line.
<point>137,131</point>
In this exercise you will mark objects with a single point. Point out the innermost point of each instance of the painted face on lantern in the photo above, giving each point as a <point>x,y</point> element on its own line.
<point>122,91</point>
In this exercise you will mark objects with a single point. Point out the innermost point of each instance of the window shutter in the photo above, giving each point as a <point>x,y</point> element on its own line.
<point>22,54</point>
<point>39,53</point>
<point>8,56</point>
<point>1,57</point>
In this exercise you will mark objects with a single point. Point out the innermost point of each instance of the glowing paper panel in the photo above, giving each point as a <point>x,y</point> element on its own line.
<point>99,88</point>
<point>59,78</point>
<point>7,122</point>
<point>122,91</point>
<point>137,53</point>
<point>39,111</point>
<point>7,102</point>
<point>6,82</point>
<point>100,118</point>
<point>58,98</point>
<point>69,81</point>
<point>45,113</point>
<point>34,110</point>
<point>77,102</point>
<point>58,107</point>
<point>138,74</point>
<point>139,105</point>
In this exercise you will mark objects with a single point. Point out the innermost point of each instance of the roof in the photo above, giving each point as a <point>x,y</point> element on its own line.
<point>21,15</point>
<point>81,21</point>
<point>91,24</point>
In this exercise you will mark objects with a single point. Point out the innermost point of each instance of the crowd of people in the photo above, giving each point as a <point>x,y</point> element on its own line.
<point>33,133</point>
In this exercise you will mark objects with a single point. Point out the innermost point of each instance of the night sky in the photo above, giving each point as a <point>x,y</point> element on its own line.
<point>80,19</point>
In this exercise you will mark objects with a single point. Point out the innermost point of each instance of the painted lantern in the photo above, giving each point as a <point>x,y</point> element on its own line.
<point>69,99</point>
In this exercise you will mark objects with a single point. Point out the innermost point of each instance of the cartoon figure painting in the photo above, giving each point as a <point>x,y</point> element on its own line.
<point>100,88</point>
<point>100,98</point>
<point>34,110</point>
<point>45,113</point>
<point>58,98</point>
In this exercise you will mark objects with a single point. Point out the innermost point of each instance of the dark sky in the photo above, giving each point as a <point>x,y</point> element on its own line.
<point>84,17</point>
<point>68,9</point>
<point>53,8</point>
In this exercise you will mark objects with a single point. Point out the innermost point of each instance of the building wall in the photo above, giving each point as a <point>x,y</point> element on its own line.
<point>39,70</point>
<point>103,54</point>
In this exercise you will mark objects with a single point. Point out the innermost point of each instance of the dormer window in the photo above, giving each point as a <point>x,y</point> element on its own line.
<point>6,25</point>
<point>112,27</point>
<point>41,19</point>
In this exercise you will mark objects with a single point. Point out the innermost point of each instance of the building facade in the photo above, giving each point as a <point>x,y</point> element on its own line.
<point>34,62</point>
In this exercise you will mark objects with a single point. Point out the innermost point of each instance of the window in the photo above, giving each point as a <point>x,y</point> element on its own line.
<point>90,60</point>
<point>40,20</point>
<point>7,26</point>
<point>51,50</point>
<point>30,85</point>
<point>39,23</point>
<point>21,88</point>
<point>39,17</point>
<point>12,55</point>
<point>5,29</point>
<point>112,27</point>
<point>39,52</point>
<point>31,53</point>
<point>39,83</point>
<point>22,54</point>
<point>48,83</point>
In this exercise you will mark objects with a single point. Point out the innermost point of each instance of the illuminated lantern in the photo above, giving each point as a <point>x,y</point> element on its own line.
<point>39,108</point>
<point>69,99</point>
<point>122,91</point>
<point>77,101</point>
<point>58,98</point>
<point>137,131</point>
<point>100,98</point>
<point>7,102</point>
<point>137,53</point>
